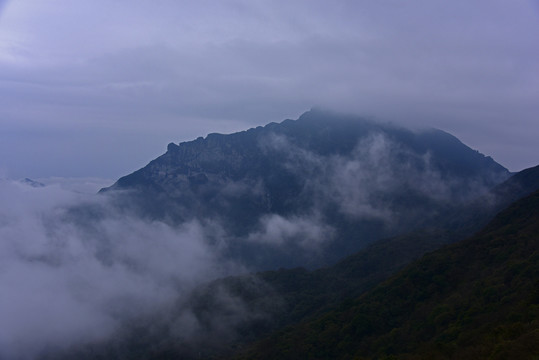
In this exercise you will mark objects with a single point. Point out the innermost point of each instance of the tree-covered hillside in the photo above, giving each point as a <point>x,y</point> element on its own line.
<point>476,299</point>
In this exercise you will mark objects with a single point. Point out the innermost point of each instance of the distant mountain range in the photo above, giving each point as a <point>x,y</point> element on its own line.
<point>307,192</point>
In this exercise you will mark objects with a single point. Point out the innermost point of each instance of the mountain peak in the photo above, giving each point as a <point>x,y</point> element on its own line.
<point>357,177</point>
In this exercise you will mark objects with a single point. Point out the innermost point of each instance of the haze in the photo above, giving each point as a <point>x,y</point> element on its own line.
<point>99,88</point>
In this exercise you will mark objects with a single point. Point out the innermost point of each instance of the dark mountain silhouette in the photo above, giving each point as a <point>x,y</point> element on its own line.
<point>310,191</point>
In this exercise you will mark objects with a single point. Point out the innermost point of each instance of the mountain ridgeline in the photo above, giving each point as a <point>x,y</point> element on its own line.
<point>324,183</point>
<point>307,192</point>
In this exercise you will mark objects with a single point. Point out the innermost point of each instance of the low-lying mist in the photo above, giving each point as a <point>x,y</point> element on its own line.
<point>73,269</point>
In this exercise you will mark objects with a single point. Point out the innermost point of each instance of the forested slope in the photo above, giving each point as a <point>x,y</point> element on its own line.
<point>478,298</point>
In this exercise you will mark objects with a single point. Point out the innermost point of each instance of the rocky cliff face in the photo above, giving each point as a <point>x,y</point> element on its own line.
<point>311,190</point>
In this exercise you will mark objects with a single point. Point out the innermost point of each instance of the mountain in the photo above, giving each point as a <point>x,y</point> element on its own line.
<point>468,219</point>
<point>303,294</point>
<point>234,311</point>
<point>288,296</point>
<point>478,298</point>
<point>519,185</point>
<point>310,191</point>
<point>32,183</point>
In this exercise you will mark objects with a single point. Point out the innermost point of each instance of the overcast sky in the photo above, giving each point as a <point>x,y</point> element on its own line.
<point>99,88</point>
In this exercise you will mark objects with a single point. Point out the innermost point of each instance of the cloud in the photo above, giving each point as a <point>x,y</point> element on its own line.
<point>371,182</point>
<point>307,232</point>
<point>200,67</point>
<point>73,270</point>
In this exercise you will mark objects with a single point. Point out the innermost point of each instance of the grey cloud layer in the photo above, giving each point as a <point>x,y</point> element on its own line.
<point>73,270</point>
<point>191,68</point>
<point>376,167</point>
